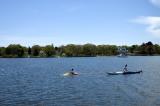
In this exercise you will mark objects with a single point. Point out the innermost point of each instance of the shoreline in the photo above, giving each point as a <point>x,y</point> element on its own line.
<point>84,56</point>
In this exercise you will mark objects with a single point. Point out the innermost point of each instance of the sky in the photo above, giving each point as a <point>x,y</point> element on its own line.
<point>61,22</point>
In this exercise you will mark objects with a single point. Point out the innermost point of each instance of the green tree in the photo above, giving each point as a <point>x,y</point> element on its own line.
<point>133,48</point>
<point>79,50</point>
<point>106,50</point>
<point>101,50</point>
<point>113,49</point>
<point>150,48</point>
<point>35,50</point>
<point>61,50</point>
<point>147,48</point>
<point>142,49</point>
<point>2,51</point>
<point>70,50</point>
<point>15,50</point>
<point>89,49</point>
<point>157,49</point>
<point>49,50</point>
<point>29,51</point>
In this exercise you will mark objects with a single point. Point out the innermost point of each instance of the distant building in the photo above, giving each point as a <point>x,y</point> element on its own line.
<point>42,53</point>
<point>122,51</point>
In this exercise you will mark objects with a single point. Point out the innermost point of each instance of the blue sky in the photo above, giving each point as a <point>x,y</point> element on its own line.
<point>119,22</point>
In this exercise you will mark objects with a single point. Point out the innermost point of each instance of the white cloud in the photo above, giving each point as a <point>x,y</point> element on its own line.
<point>155,2</point>
<point>153,24</point>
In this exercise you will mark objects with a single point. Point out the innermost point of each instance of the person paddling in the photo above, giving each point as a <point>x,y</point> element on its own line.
<point>72,71</point>
<point>125,68</point>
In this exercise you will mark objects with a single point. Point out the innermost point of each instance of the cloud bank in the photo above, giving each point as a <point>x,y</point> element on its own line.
<point>155,2</point>
<point>153,24</point>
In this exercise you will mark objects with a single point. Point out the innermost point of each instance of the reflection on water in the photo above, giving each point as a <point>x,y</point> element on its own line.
<point>41,82</point>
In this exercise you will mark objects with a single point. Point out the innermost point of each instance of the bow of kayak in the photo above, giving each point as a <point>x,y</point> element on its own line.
<point>131,72</point>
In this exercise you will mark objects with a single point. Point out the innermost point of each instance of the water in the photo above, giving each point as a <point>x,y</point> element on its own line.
<point>40,82</point>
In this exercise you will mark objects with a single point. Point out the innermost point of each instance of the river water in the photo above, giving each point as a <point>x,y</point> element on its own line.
<point>40,81</point>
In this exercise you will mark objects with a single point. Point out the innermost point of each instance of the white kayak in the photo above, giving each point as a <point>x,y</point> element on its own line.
<point>70,74</point>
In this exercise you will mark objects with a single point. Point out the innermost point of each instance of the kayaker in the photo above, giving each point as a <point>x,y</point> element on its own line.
<point>125,68</point>
<point>72,71</point>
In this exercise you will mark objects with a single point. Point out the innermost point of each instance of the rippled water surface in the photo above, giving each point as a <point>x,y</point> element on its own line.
<point>40,82</point>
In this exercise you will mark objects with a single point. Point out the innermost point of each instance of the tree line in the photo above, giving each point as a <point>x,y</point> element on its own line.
<point>72,50</point>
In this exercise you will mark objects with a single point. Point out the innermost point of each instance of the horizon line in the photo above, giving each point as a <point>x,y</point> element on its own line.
<point>42,45</point>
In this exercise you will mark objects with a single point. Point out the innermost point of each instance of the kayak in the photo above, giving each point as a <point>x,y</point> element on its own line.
<point>124,73</point>
<point>70,74</point>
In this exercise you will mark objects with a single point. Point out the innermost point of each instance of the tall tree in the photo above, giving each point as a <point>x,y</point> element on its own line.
<point>89,50</point>
<point>29,51</point>
<point>157,49</point>
<point>15,50</point>
<point>2,51</point>
<point>150,48</point>
<point>36,50</point>
<point>49,50</point>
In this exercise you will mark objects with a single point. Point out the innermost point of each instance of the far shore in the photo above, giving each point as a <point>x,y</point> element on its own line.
<point>79,56</point>
<point>73,50</point>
